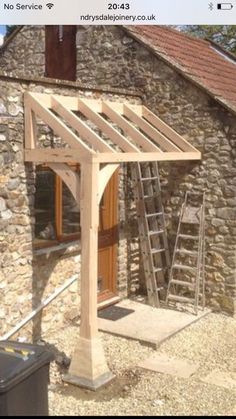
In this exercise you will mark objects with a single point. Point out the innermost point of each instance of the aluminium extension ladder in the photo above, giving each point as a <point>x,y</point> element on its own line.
<point>187,274</point>
<point>152,230</point>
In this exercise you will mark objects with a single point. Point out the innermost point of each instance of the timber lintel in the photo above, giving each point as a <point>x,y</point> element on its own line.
<point>55,156</point>
<point>146,157</point>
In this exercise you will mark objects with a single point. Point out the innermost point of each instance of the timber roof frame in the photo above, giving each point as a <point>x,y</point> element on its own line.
<point>139,136</point>
<point>144,137</point>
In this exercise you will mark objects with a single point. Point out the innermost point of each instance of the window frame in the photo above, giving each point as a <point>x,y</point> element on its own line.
<point>58,215</point>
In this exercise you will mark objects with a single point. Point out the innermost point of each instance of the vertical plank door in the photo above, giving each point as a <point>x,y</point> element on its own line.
<point>60,52</point>
<point>107,241</point>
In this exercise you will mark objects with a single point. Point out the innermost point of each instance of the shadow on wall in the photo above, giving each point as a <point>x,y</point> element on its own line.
<point>39,282</point>
<point>135,279</point>
<point>49,272</point>
<point>177,178</point>
<point>39,285</point>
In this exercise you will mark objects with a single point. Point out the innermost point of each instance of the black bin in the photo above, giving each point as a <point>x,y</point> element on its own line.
<point>24,378</point>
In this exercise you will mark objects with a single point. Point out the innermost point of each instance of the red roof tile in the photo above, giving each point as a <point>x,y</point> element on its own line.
<point>200,60</point>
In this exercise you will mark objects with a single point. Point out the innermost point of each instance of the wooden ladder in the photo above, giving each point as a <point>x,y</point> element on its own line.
<point>152,230</point>
<point>187,274</point>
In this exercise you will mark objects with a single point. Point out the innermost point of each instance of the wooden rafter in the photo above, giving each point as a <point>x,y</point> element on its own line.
<point>107,128</point>
<point>129,129</point>
<point>57,125</point>
<point>155,135</point>
<point>167,130</point>
<point>77,124</point>
<point>145,137</point>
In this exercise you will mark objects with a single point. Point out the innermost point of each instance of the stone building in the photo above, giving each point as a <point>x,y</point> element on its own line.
<point>189,83</point>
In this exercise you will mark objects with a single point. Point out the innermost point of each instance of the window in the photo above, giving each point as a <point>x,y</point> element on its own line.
<point>57,215</point>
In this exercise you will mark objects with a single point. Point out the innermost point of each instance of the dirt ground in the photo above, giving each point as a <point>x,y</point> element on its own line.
<point>211,342</point>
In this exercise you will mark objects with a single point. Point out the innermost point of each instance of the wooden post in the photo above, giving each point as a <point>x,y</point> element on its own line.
<point>88,367</point>
<point>30,128</point>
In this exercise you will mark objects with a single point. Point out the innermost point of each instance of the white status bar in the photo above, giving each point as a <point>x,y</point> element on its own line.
<point>127,12</point>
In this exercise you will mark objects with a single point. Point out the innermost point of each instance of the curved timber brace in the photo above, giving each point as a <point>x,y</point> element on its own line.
<point>105,174</point>
<point>69,177</point>
<point>72,179</point>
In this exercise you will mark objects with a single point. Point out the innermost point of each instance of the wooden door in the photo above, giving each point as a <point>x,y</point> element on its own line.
<point>107,241</point>
<point>60,52</point>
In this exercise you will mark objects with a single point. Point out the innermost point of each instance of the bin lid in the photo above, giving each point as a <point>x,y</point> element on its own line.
<point>19,360</point>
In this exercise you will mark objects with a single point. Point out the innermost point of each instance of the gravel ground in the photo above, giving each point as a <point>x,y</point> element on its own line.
<point>211,342</point>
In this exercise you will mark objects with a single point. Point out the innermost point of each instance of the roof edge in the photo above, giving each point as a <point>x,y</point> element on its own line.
<point>180,69</point>
<point>222,49</point>
<point>10,38</point>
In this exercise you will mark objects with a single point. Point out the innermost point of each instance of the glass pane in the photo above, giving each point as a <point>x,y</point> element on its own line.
<point>45,228</point>
<point>70,213</point>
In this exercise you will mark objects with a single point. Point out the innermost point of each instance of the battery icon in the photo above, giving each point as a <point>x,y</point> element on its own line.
<point>225,6</point>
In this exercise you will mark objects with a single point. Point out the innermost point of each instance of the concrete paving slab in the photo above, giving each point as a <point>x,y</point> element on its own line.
<point>166,365</point>
<point>221,379</point>
<point>146,324</point>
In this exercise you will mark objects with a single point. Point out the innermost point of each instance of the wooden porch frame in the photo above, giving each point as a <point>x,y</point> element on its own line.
<point>135,135</point>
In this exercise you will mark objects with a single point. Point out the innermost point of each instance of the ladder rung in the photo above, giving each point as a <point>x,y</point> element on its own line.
<point>156,270</point>
<point>152,233</point>
<point>187,252</point>
<point>188,236</point>
<point>180,298</point>
<point>182,283</point>
<point>151,196</point>
<point>185,267</point>
<point>149,178</point>
<point>185,221</point>
<point>155,291</point>
<point>154,251</point>
<point>155,214</point>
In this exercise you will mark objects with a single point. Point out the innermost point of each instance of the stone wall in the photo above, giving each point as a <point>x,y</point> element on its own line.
<point>108,57</point>
<point>24,53</point>
<point>27,278</point>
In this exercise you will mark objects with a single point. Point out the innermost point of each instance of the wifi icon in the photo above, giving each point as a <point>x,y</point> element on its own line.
<point>50,5</point>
